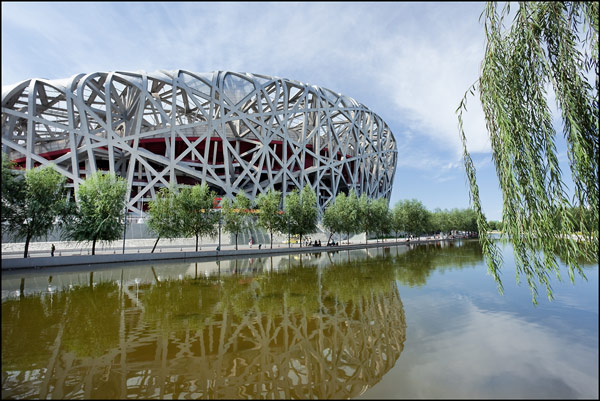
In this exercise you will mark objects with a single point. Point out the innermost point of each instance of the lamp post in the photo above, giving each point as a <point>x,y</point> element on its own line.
<point>219,247</point>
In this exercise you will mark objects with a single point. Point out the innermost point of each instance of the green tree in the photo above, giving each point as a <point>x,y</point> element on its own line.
<point>494,225</point>
<point>350,217</point>
<point>415,217</point>
<point>12,187</point>
<point>399,219</point>
<point>198,218</point>
<point>236,214</point>
<point>164,218</point>
<point>332,215</point>
<point>301,209</point>
<point>440,221</point>
<point>366,219</point>
<point>581,216</point>
<point>34,203</point>
<point>453,219</point>
<point>100,214</point>
<point>469,220</point>
<point>381,216</point>
<point>270,217</point>
<point>540,48</point>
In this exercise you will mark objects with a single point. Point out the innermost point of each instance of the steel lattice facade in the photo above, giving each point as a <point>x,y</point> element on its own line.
<point>234,131</point>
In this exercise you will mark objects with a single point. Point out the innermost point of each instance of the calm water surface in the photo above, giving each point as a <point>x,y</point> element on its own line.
<point>398,322</point>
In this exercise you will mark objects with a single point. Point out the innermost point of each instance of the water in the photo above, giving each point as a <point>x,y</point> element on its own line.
<point>425,322</point>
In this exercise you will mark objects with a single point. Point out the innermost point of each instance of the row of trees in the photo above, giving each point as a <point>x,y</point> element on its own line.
<point>187,211</point>
<point>35,202</point>
<point>350,213</point>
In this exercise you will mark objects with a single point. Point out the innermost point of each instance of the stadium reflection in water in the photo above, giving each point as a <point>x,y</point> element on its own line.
<point>310,326</point>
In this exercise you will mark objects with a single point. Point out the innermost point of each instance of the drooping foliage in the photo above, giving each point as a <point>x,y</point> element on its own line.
<point>100,214</point>
<point>411,216</point>
<point>33,203</point>
<point>270,217</point>
<point>198,216</point>
<point>332,215</point>
<point>350,214</point>
<point>539,51</point>
<point>236,214</point>
<point>381,215</point>
<point>163,216</point>
<point>301,208</point>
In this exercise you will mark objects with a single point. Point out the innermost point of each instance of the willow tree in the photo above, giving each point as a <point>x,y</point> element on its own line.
<point>236,214</point>
<point>198,216</point>
<point>11,187</point>
<point>366,218</point>
<point>301,209</point>
<point>270,217</point>
<point>101,213</point>
<point>539,51</point>
<point>412,216</point>
<point>383,217</point>
<point>398,219</point>
<point>164,218</point>
<point>350,218</point>
<point>332,214</point>
<point>34,203</point>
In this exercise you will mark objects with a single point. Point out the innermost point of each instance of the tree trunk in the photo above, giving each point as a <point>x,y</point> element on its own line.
<point>271,239</point>
<point>156,243</point>
<point>94,246</point>
<point>27,239</point>
<point>300,240</point>
<point>366,237</point>
<point>236,237</point>
<point>329,239</point>
<point>196,242</point>
<point>348,237</point>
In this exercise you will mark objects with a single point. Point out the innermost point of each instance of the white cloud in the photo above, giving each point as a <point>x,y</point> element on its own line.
<point>486,347</point>
<point>409,62</point>
<point>427,79</point>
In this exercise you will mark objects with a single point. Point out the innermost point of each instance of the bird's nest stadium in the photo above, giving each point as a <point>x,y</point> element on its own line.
<point>234,131</point>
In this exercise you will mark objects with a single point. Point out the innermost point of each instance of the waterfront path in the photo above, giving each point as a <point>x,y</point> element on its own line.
<point>68,254</point>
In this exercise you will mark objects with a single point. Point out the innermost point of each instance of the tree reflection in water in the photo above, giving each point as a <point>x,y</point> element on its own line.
<point>414,267</point>
<point>295,330</point>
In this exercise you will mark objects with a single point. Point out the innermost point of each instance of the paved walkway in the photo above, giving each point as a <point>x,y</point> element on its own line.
<point>67,248</point>
<point>72,253</point>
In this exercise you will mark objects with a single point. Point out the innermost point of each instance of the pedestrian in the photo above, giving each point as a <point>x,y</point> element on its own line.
<point>52,250</point>
<point>250,242</point>
<point>259,246</point>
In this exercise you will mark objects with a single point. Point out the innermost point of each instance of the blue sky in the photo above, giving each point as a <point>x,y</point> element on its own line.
<point>411,63</point>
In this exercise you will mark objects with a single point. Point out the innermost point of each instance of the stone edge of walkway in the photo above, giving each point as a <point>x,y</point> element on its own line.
<point>86,260</point>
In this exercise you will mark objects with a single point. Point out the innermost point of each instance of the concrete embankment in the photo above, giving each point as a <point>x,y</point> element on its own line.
<point>242,252</point>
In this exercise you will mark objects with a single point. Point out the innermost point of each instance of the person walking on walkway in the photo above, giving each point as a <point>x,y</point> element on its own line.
<point>52,250</point>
